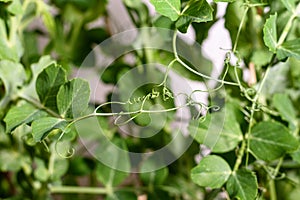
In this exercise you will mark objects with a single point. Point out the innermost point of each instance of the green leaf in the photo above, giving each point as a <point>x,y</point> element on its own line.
<point>220,131</point>
<point>48,83</point>
<point>13,76</point>
<point>270,33</point>
<point>22,114</point>
<point>212,171</point>
<point>271,140</point>
<point>73,98</point>
<point>36,69</point>
<point>285,107</point>
<point>289,4</point>
<point>10,44</point>
<point>242,184</point>
<point>196,11</point>
<point>261,57</point>
<point>168,8</point>
<point>150,177</point>
<point>42,127</point>
<point>289,49</point>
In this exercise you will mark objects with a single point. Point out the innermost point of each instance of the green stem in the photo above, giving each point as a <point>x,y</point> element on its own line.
<point>240,29</point>
<point>240,156</point>
<point>278,167</point>
<point>92,190</point>
<point>77,189</point>
<point>191,69</point>
<point>272,187</point>
<point>286,29</point>
<point>253,109</point>
<point>39,106</point>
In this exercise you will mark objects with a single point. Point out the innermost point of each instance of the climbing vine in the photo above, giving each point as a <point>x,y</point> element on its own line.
<point>240,142</point>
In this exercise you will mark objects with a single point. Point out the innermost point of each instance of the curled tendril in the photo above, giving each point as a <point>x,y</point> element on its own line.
<point>70,151</point>
<point>167,94</point>
<point>249,93</point>
<point>281,176</point>
<point>274,174</point>
<point>202,118</point>
<point>152,95</point>
<point>227,57</point>
<point>214,108</point>
<point>201,106</point>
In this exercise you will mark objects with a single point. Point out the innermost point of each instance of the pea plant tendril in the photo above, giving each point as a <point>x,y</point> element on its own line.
<point>150,137</point>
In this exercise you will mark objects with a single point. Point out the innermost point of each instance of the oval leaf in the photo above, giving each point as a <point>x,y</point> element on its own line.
<point>271,140</point>
<point>242,185</point>
<point>196,11</point>
<point>48,83</point>
<point>168,8</point>
<point>270,33</point>
<point>42,127</point>
<point>73,98</point>
<point>19,115</point>
<point>212,171</point>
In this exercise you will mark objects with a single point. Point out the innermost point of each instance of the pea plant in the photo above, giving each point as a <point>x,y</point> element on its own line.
<point>58,143</point>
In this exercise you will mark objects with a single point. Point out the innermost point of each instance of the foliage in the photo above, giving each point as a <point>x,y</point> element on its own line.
<point>251,130</point>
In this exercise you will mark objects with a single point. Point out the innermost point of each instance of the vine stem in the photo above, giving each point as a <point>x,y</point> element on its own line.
<point>253,108</point>
<point>240,29</point>
<point>39,105</point>
<point>75,189</point>
<point>272,187</point>
<point>91,190</point>
<point>288,26</point>
<point>191,69</point>
<point>254,103</point>
<point>256,97</point>
<point>240,156</point>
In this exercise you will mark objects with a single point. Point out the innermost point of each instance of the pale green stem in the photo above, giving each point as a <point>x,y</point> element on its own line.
<point>240,29</point>
<point>191,69</point>
<point>39,105</point>
<point>286,29</point>
<point>75,189</point>
<point>272,188</point>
